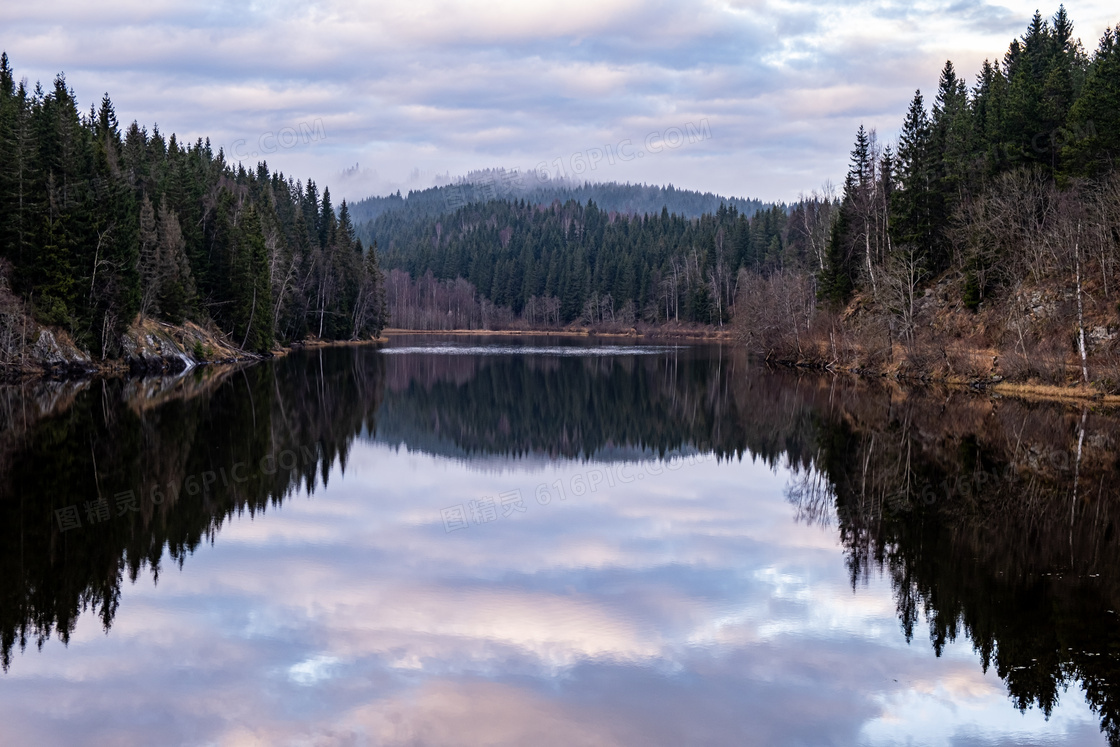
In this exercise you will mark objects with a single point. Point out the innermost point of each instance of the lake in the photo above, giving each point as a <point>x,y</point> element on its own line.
<point>549,541</point>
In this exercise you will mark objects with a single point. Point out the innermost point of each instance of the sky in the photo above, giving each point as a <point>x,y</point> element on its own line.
<point>748,98</point>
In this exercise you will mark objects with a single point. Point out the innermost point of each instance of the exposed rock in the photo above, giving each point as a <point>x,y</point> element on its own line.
<point>55,352</point>
<point>156,347</point>
<point>151,351</point>
<point>1098,336</point>
<point>148,347</point>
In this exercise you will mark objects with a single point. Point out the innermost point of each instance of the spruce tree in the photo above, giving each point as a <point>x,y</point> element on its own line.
<point>951,135</point>
<point>837,280</point>
<point>176,292</point>
<point>252,300</point>
<point>912,201</point>
<point>1092,135</point>
<point>151,264</point>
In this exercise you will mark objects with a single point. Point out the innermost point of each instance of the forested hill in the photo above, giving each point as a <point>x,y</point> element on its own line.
<point>984,243</point>
<point>571,262</point>
<point>973,175</point>
<point>100,227</point>
<point>490,184</point>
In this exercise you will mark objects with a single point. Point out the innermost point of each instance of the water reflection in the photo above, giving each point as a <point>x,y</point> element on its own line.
<point>103,480</point>
<point>511,403</point>
<point>997,524</point>
<point>773,582</point>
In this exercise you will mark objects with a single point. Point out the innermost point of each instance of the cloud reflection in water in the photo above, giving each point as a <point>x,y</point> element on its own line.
<point>687,610</point>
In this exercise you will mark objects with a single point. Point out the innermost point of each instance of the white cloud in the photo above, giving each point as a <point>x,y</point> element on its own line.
<point>438,87</point>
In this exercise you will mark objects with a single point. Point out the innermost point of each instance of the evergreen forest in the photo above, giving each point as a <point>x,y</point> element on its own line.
<point>101,225</point>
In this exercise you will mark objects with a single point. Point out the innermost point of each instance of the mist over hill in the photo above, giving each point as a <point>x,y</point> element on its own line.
<point>492,184</point>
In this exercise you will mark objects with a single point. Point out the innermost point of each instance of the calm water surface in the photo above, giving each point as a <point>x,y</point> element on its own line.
<point>547,542</point>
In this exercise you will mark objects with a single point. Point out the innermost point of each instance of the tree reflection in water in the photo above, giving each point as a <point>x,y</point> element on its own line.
<point>995,519</point>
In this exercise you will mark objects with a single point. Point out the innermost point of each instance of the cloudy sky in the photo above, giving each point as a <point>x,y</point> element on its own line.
<point>760,97</point>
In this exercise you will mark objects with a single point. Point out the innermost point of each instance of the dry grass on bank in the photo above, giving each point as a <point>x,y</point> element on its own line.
<point>1025,340</point>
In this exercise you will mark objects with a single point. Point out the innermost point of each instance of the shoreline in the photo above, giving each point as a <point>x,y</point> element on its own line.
<point>86,369</point>
<point>714,335</point>
<point>1031,392</point>
<point>1053,393</point>
<point>1026,391</point>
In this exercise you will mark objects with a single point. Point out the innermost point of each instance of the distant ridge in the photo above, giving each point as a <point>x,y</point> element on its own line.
<point>491,184</point>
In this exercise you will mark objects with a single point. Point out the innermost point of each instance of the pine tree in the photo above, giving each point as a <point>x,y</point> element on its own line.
<point>327,221</point>
<point>1035,74</point>
<point>837,281</point>
<point>12,121</point>
<point>989,98</point>
<point>176,292</point>
<point>114,288</point>
<point>951,134</point>
<point>151,264</point>
<point>369,307</point>
<point>252,302</point>
<point>912,211</point>
<point>1092,146</point>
